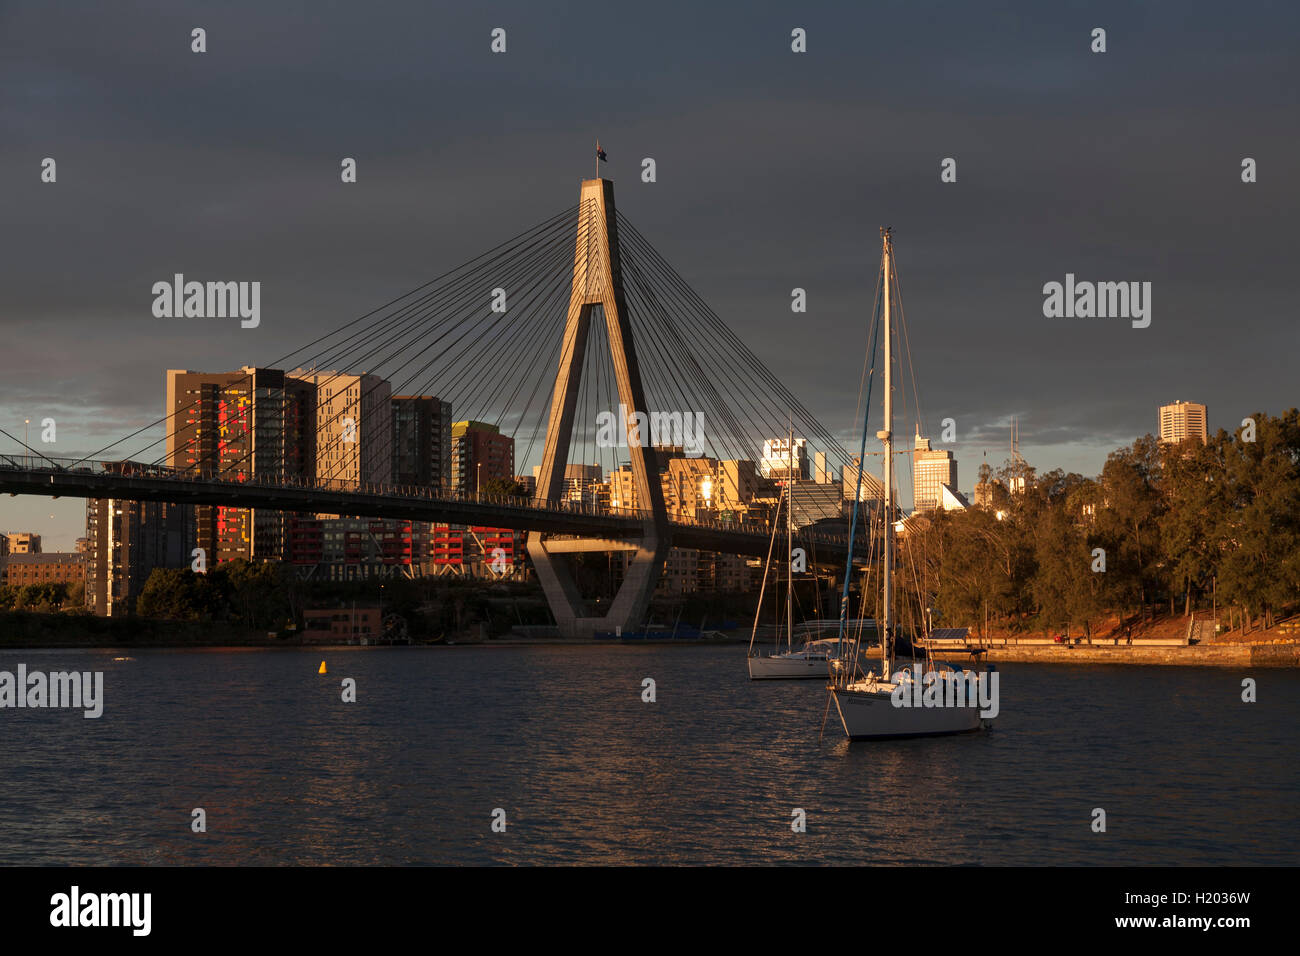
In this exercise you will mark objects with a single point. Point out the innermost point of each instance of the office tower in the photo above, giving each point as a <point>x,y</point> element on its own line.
<point>931,470</point>
<point>421,441</point>
<point>1181,421</point>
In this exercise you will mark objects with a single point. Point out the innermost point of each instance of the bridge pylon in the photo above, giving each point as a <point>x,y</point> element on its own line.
<point>598,280</point>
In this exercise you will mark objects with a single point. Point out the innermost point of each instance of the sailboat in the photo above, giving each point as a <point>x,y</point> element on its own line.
<point>929,698</point>
<point>810,661</point>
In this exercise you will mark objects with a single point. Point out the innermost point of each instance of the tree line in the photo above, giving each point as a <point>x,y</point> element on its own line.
<point>44,597</point>
<point>271,596</point>
<point>1190,524</point>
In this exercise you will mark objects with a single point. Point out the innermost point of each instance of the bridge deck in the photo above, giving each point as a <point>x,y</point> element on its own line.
<point>91,480</point>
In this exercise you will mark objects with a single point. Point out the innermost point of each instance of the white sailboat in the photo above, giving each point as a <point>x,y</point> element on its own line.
<point>930,698</point>
<point>810,661</point>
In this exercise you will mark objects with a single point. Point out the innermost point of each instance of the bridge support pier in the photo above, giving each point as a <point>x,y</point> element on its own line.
<point>628,610</point>
<point>598,281</point>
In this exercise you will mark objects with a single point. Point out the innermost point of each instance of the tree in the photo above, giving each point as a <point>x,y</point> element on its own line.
<point>1168,517</point>
<point>502,486</point>
<point>1194,485</point>
<point>44,597</point>
<point>76,597</point>
<point>1128,522</point>
<point>254,592</point>
<point>975,563</point>
<point>176,594</point>
<point>1261,524</point>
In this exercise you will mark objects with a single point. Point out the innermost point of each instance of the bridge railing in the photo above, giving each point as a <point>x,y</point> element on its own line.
<point>36,464</point>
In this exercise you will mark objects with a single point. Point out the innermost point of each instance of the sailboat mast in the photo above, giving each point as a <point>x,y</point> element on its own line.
<point>886,437</point>
<point>789,545</point>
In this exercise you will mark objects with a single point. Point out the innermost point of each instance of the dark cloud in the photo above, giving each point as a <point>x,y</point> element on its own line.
<point>775,171</point>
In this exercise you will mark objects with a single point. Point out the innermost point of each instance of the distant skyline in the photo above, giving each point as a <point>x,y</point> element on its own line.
<point>774,170</point>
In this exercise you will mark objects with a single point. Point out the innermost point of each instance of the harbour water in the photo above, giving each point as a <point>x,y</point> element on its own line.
<point>560,738</point>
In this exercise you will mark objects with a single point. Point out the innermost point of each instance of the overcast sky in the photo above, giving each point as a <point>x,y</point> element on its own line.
<point>775,170</point>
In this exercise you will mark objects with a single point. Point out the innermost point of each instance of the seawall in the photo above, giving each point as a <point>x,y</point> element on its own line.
<point>1196,655</point>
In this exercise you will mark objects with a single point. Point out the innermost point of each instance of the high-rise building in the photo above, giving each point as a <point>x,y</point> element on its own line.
<point>255,422</point>
<point>870,489</point>
<point>815,501</point>
<point>1181,421</point>
<point>128,539</point>
<point>479,454</point>
<point>688,485</point>
<point>931,470</point>
<point>736,485</point>
<point>421,441</point>
<point>421,449</point>
<point>582,484</point>
<point>780,460</point>
<point>353,428</point>
<point>821,471</point>
<point>622,489</point>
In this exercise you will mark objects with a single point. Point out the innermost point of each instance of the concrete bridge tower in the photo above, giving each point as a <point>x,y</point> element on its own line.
<point>598,281</point>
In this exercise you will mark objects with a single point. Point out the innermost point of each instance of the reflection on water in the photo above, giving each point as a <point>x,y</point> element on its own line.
<point>587,773</point>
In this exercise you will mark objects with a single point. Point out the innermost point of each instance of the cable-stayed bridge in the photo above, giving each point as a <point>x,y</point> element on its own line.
<point>577,339</point>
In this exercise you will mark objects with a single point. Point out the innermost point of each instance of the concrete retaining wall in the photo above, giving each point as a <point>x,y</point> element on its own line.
<point>1199,655</point>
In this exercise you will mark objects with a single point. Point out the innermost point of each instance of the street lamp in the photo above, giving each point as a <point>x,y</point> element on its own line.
<point>26,450</point>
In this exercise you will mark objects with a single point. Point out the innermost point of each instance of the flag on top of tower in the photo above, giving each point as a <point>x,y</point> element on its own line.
<point>600,153</point>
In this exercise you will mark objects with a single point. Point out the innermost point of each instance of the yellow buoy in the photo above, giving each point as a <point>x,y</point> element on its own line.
<point>322,668</point>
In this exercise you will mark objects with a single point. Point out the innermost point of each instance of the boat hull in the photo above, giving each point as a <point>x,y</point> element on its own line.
<point>871,715</point>
<point>787,668</point>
